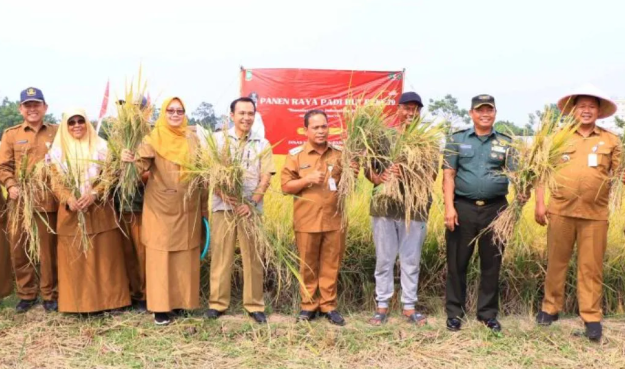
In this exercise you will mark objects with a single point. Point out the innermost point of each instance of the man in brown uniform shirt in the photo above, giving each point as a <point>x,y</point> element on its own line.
<point>6,279</point>
<point>311,173</point>
<point>578,210</point>
<point>33,138</point>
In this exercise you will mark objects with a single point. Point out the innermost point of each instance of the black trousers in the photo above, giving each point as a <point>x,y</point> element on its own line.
<point>473,219</point>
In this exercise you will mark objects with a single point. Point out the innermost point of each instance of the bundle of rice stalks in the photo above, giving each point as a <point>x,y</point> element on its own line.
<point>220,167</point>
<point>532,165</point>
<point>364,127</point>
<point>69,179</point>
<point>32,182</point>
<point>617,188</point>
<point>126,132</point>
<point>415,149</point>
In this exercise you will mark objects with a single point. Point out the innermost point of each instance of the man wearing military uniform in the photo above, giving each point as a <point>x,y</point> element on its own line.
<point>475,192</point>
<point>578,210</point>
<point>311,173</point>
<point>32,138</point>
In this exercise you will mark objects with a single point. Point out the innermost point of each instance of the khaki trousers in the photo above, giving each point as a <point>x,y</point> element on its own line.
<point>320,255</point>
<point>591,237</point>
<point>226,231</point>
<point>134,254</point>
<point>27,281</point>
<point>6,277</point>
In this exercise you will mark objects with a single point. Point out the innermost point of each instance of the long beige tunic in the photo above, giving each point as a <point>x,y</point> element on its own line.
<point>172,233</point>
<point>95,281</point>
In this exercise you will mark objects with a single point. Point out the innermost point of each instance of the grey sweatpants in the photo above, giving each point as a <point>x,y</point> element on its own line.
<point>391,238</point>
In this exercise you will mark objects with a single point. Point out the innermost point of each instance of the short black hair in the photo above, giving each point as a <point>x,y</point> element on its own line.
<point>588,96</point>
<point>312,113</point>
<point>241,99</point>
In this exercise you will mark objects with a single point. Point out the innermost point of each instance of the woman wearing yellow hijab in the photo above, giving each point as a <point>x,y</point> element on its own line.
<point>172,218</point>
<point>94,280</point>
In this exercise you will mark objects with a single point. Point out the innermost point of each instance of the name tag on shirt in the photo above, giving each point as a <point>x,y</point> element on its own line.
<point>499,149</point>
<point>592,160</point>
<point>465,146</point>
<point>22,142</point>
<point>332,184</point>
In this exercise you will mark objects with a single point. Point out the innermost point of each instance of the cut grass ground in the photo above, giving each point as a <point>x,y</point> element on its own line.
<point>130,340</point>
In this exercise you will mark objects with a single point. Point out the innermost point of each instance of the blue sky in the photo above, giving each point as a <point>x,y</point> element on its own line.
<point>525,53</point>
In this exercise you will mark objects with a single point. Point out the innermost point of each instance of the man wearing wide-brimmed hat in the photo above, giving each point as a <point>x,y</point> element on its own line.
<point>578,209</point>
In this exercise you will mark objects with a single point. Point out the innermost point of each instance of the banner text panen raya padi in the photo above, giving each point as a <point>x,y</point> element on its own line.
<point>283,96</point>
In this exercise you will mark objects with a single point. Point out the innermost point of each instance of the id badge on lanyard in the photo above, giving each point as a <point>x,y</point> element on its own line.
<point>592,158</point>
<point>331,181</point>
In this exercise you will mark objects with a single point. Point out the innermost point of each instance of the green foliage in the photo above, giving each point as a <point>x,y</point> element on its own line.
<point>507,127</point>
<point>537,116</point>
<point>204,115</point>
<point>448,109</point>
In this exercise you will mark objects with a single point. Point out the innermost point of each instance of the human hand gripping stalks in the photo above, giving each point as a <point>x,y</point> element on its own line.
<point>414,150</point>
<point>126,132</point>
<point>532,164</point>
<point>364,125</point>
<point>67,181</point>
<point>219,166</point>
<point>22,212</point>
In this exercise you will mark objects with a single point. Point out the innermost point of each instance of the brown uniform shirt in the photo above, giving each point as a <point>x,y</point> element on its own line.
<point>21,140</point>
<point>583,190</point>
<point>315,208</point>
<point>172,217</point>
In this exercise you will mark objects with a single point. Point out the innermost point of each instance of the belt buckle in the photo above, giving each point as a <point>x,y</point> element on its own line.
<point>480,203</point>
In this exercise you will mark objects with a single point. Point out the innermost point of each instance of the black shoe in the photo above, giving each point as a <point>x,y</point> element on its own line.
<point>454,324</point>
<point>258,316</point>
<point>25,305</point>
<point>335,317</point>
<point>213,314</point>
<point>140,306</point>
<point>161,319</point>
<point>50,306</point>
<point>492,324</point>
<point>545,319</point>
<point>306,316</point>
<point>594,331</point>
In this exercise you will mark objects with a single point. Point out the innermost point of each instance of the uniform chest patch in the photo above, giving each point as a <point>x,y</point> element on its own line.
<point>499,149</point>
<point>22,142</point>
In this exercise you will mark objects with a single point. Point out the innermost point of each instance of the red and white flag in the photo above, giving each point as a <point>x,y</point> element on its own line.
<point>103,108</point>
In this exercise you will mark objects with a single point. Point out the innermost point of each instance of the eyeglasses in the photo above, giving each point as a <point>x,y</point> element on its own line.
<point>73,122</point>
<point>175,111</point>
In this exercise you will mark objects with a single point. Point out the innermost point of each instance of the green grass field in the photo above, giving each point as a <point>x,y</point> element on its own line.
<point>40,340</point>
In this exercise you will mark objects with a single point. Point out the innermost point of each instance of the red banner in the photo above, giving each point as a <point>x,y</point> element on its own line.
<point>284,95</point>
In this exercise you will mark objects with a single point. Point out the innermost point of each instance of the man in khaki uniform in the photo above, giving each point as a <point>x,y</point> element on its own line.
<point>311,173</point>
<point>578,210</point>
<point>6,279</point>
<point>227,227</point>
<point>32,138</point>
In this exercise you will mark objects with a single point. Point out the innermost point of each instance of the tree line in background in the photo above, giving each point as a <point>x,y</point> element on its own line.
<point>445,108</point>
